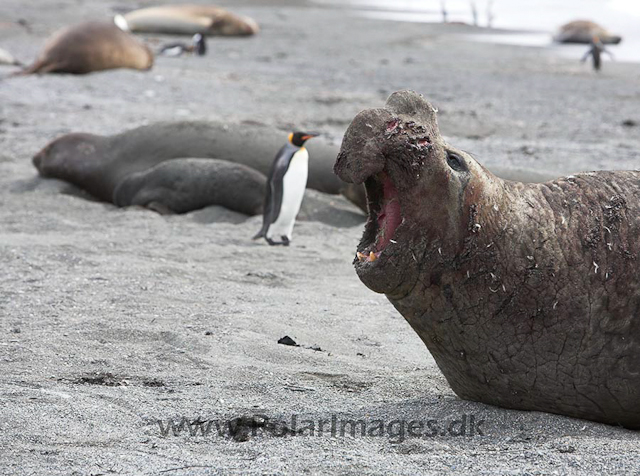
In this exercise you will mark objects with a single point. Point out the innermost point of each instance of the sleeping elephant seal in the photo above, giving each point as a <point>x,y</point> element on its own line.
<point>98,164</point>
<point>526,295</point>
<point>583,31</point>
<point>187,20</point>
<point>91,46</point>
<point>183,185</point>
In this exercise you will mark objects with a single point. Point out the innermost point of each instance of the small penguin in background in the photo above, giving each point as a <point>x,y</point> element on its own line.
<point>596,50</point>
<point>198,46</point>
<point>285,190</point>
<point>8,59</point>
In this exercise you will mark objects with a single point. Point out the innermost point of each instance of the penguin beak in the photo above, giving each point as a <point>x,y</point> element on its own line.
<point>309,135</point>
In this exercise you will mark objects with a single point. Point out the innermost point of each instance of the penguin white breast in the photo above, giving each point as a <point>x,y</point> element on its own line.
<point>294,183</point>
<point>175,51</point>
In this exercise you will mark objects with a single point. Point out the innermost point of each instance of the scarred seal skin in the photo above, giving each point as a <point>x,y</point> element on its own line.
<point>526,295</point>
<point>89,47</point>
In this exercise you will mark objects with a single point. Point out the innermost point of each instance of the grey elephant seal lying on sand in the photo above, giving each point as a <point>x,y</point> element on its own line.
<point>526,295</point>
<point>183,185</point>
<point>89,47</point>
<point>97,164</point>
<point>187,20</point>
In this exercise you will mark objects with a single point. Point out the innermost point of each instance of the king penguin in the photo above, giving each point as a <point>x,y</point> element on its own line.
<point>198,46</point>
<point>287,183</point>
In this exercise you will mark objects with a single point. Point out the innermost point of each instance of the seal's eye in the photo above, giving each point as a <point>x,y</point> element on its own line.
<point>456,162</point>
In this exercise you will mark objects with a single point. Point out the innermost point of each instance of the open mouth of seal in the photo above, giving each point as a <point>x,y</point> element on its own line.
<point>385,218</point>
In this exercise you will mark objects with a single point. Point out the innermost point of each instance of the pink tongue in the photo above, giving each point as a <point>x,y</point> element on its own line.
<point>389,217</point>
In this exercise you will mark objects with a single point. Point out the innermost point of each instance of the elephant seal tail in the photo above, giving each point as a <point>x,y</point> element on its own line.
<point>31,69</point>
<point>40,66</point>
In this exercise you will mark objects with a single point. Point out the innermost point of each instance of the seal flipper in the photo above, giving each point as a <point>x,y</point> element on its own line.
<point>41,67</point>
<point>160,208</point>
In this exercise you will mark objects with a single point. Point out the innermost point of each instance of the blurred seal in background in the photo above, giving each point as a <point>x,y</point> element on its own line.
<point>583,31</point>
<point>187,20</point>
<point>89,47</point>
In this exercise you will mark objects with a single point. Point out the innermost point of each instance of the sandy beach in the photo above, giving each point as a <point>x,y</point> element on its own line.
<point>114,322</point>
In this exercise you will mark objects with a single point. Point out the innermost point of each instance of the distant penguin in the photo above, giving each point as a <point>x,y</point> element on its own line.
<point>8,59</point>
<point>198,46</point>
<point>595,51</point>
<point>88,47</point>
<point>287,183</point>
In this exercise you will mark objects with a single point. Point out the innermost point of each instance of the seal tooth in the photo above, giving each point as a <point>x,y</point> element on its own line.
<point>360,256</point>
<point>372,256</point>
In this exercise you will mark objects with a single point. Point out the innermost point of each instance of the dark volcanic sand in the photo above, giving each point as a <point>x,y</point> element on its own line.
<point>112,319</point>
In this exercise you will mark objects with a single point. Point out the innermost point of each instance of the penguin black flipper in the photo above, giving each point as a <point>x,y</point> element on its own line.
<point>267,214</point>
<point>273,197</point>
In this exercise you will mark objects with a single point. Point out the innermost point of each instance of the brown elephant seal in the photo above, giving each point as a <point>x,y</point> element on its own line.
<point>89,47</point>
<point>183,185</point>
<point>526,295</point>
<point>187,20</point>
<point>583,31</point>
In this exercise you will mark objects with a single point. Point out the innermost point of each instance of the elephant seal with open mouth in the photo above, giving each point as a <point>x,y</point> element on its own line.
<point>526,295</point>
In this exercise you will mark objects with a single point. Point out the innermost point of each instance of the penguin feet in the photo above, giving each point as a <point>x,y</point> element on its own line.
<point>285,241</point>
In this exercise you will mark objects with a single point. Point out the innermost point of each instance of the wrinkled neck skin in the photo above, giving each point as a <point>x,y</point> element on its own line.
<point>464,259</point>
<point>533,307</point>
